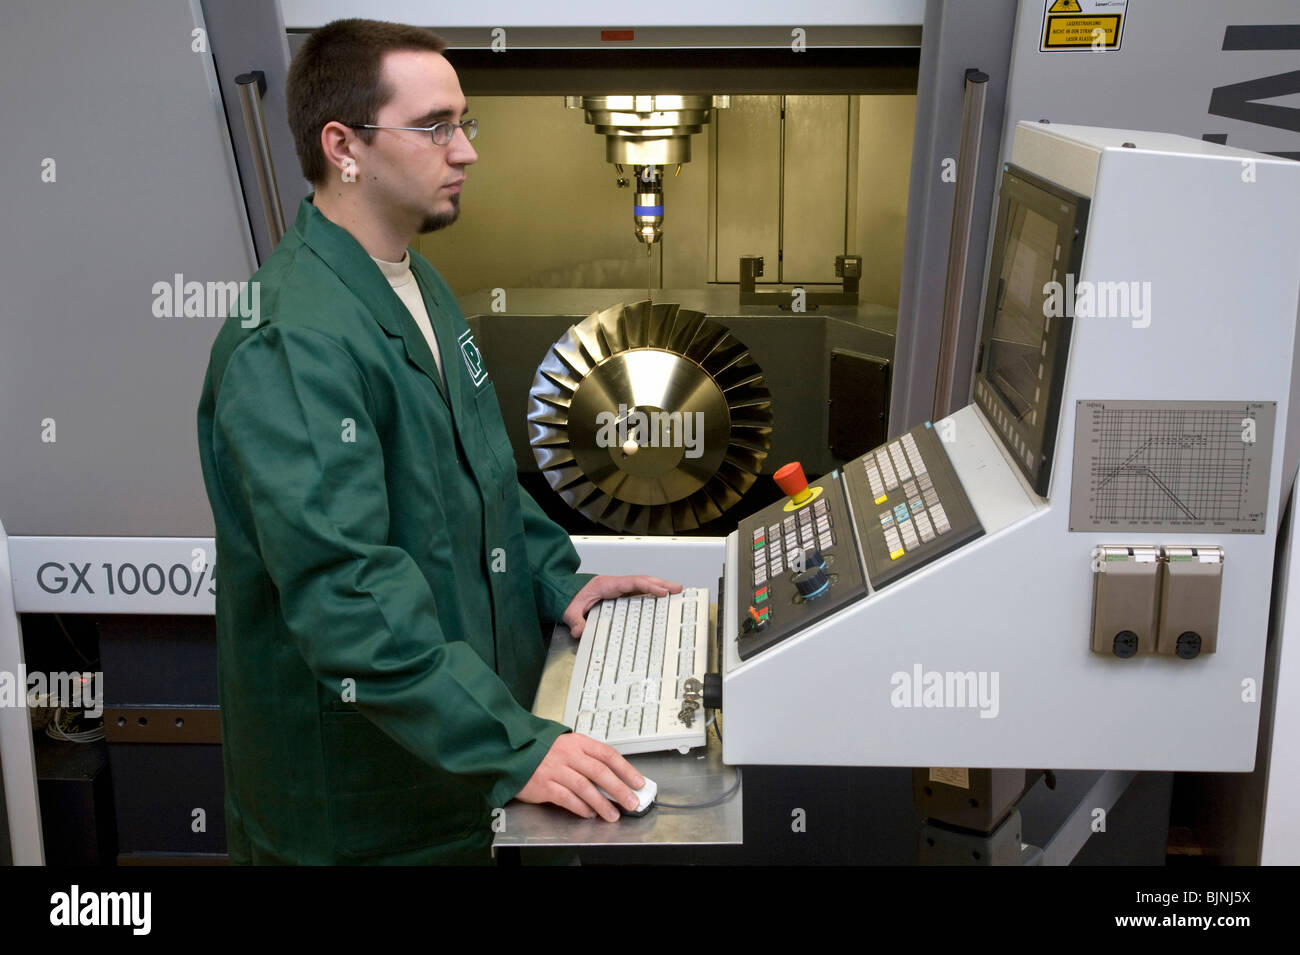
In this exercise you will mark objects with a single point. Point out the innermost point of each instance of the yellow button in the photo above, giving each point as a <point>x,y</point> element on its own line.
<point>894,555</point>
<point>882,499</point>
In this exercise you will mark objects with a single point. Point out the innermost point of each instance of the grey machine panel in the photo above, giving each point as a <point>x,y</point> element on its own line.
<point>123,190</point>
<point>1190,466</point>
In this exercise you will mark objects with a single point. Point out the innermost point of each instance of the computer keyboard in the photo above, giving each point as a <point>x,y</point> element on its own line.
<point>638,677</point>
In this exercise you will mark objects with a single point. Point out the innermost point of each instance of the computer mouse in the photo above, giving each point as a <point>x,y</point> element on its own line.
<point>645,798</point>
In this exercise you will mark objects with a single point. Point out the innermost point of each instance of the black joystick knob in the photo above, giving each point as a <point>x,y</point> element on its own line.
<point>813,558</point>
<point>813,582</point>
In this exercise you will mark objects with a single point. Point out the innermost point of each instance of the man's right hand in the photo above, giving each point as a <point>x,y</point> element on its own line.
<point>572,769</point>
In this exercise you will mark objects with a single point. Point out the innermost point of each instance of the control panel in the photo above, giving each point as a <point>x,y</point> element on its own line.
<point>799,558</point>
<point>798,561</point>
<point>910,505</point>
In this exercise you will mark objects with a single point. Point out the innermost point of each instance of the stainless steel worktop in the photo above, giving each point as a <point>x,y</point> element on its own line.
<point>696,777</point>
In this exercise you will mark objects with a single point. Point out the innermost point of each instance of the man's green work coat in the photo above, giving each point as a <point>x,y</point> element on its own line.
<point>382,575</point>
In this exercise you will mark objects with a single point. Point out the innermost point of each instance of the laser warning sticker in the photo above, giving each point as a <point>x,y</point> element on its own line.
<point>1082,25</point>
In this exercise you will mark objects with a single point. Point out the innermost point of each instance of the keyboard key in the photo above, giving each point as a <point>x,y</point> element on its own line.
<point>685,662</point>
<point>900,461</point>
<point>873,478</point>
<point>914,456</point>
<point>940,523</point>
<point>616,719</point>
<point>887,471</point>
<point>585,720</point>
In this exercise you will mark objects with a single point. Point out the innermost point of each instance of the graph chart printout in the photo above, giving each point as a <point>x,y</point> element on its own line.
<point>1172,466</point>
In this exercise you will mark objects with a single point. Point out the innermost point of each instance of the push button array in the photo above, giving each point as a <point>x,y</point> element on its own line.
<point>906,526</point>
<point>874,479</point>
<point>810,528</point>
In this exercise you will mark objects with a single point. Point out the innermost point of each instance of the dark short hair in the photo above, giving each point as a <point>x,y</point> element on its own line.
<point>336,76</point>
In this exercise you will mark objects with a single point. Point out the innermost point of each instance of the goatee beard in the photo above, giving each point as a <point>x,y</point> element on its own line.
<point>442,220</point>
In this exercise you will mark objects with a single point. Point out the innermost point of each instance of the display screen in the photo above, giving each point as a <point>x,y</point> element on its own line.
<point>1024,343</point>
<point>1015,353</point>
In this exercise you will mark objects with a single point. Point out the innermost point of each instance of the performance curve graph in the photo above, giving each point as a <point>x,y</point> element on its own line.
<point>1172,465</point>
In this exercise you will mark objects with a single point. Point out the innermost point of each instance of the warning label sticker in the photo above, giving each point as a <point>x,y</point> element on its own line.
<point>950,777</point>
<point>1082,25</point>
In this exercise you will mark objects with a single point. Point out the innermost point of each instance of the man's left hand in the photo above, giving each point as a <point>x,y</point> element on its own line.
<point>604,587</point>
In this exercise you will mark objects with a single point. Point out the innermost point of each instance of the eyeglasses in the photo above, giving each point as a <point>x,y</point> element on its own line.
<point>441,133</point>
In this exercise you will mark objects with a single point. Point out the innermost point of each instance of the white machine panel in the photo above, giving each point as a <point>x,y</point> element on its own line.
<point>983,657</point>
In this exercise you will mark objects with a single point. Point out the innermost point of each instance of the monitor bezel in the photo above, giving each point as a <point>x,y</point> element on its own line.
<point>1032,446</point>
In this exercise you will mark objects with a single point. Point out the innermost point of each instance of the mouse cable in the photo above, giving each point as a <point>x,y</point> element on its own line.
<point>704,805</point>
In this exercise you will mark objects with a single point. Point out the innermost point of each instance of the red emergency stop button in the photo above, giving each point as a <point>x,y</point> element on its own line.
<point>790,479</point>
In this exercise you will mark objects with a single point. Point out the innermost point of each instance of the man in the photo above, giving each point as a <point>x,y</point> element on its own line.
<point>383,575</point>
